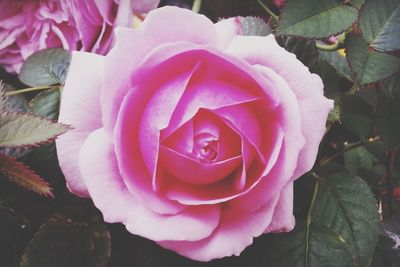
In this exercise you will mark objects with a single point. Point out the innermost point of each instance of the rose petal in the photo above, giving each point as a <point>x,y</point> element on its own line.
<point>110,195</point>
<point>283,219</point>
<point>148,106</point>
<point>308,88</point>
<point>217,83</point>
<point>234,233</point>
<point>79,108</point>
<point>195,172</point>
<point>227,29</point>
<point>293,142</point>
<point>154,32</point>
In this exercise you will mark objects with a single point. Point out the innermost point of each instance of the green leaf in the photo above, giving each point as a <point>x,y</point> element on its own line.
<point>369,66</point>
<point>357,3</point>
<point>309,246</point>
<point>359,157</point>
<point>3,98</point>
<point>379,24</point>
<point>333,85</point>
<point>305,50</point>
<point>254,26</point>
<point>359,126</point>
<point>69,238</point>
<point>315,19</point>
<point>46,104</point>
<point>20,174</point>
<point>391,86</point>
<point>19,129</point>
<point>357,116</point>
<point>338,62</point>
<point>46,67</point>
<point>387,119</point>
<point>341,228</point>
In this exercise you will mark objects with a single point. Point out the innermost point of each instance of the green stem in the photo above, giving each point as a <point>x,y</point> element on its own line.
<point>346,148</point>
<point>31,89</point>
<point>269,11</point>
<point>196,6</point>
<point>353,89</point>
<point>325,47</point>
<point>309,219</point>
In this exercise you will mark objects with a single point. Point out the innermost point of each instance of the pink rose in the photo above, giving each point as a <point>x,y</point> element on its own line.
<point>29,26</point>
<point>190,134</point>
<point>279,3</point>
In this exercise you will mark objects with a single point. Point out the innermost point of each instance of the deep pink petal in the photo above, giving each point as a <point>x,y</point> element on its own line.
<point>110,195</point>
<point>307,87</point>
<point>80,108</point>
<point>180,140</point>
<point>222,191</point>
<point>283,219</point>
<point>218,82</point>
<point>195,172</point>
<point>288,158</point>
<point>234,233</point>
<point>159,100</point>
<point>153,33</point>
<point>105,9</point>
<point>216,66</point>
<point>238,183</point>
<point>144,112</point>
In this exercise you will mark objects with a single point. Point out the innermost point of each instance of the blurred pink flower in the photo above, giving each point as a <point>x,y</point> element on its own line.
<point>29,26</point>
<point>279,3</point>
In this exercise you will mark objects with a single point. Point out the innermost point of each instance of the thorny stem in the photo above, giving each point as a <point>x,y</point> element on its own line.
<point>353,89</point>
<point>269,11</point>
<point>32,89</point>
<point>347,148</point>
<point>196,6</point>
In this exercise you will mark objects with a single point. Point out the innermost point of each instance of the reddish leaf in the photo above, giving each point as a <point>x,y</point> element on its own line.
<point>20,174</point>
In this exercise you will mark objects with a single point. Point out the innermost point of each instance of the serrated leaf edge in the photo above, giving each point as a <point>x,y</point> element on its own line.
<point>354,73</point>
<point>48,140</point>
<point>4,98</point>
<point>312,38</point>
<point>41,187</point>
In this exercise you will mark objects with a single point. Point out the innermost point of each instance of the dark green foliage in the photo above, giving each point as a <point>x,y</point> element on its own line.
<point>315,19</point>
<point>46,67</point>
<point>379,24</point>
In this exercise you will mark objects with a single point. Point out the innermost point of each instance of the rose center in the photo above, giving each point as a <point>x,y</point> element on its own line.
<point>205,147</point>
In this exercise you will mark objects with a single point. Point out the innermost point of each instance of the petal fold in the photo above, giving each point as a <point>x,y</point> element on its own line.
<point>80,108</point>
<point>110,195</point>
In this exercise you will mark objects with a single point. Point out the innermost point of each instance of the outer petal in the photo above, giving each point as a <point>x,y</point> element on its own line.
<point>227,29</point>
<point>193,28</point>
<point>283,219</point>
<point>308,88</point>
<point>80,108</point>
<point>293,143</point>
<point>117,204</point>
<point>234,233</point>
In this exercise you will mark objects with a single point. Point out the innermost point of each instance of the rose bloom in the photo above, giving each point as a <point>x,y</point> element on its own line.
<point>29,26</point>
<point>279,3</point>
<point>191,134</point>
